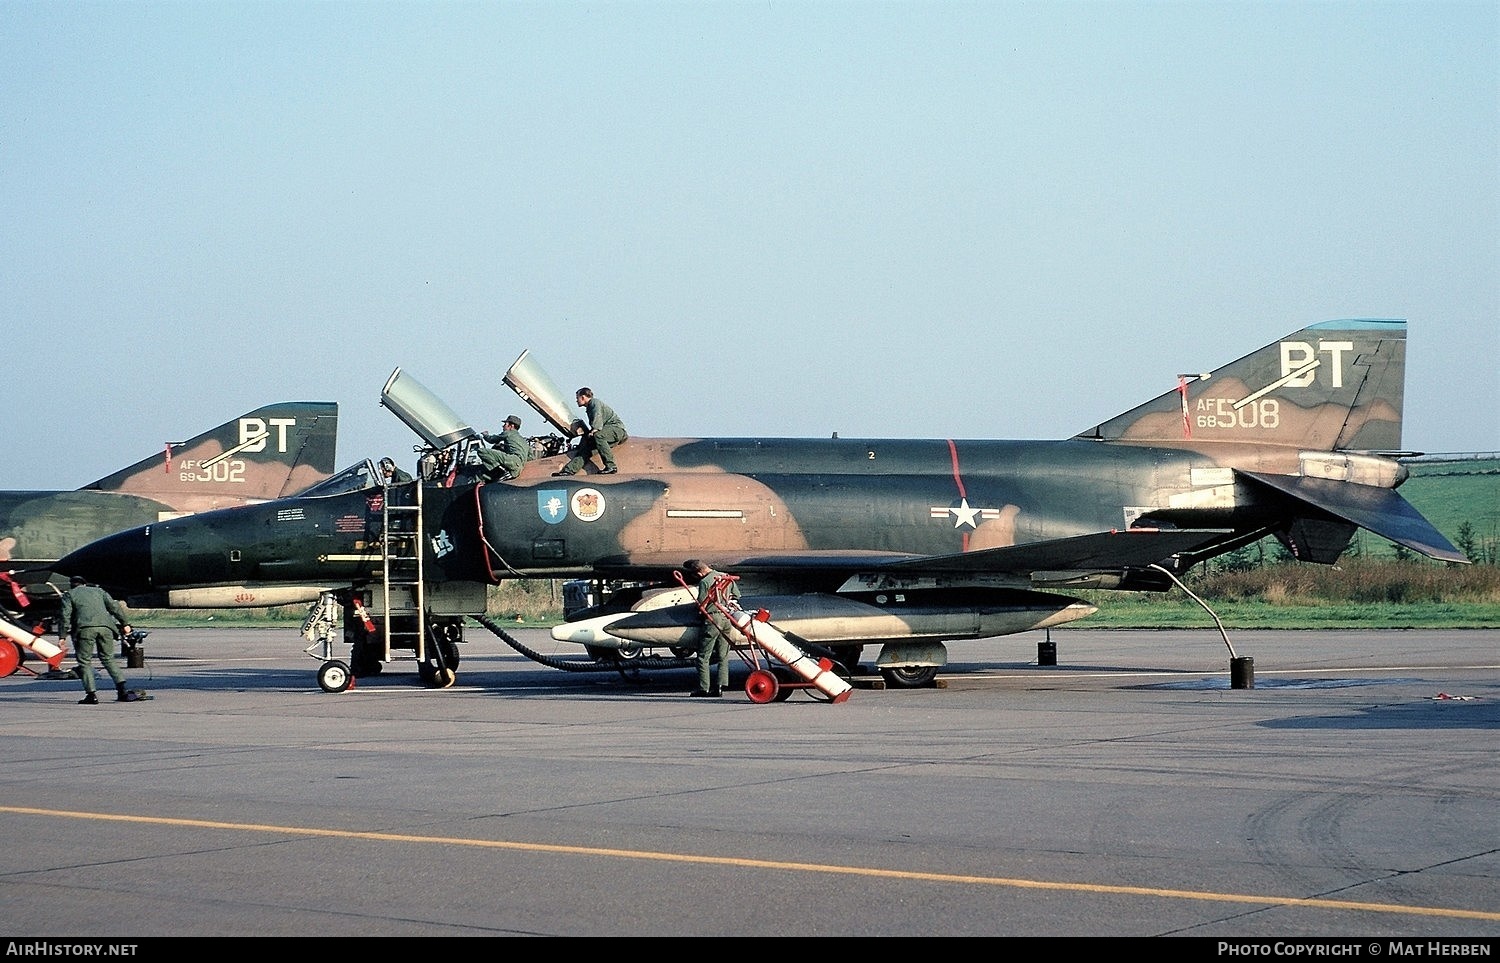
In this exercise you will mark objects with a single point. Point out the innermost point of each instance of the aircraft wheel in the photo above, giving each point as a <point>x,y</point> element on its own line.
<point>762,686</point>
<point>683,652</point>
<point>601,653</point>
<point>910,676</point>
<point>335,676</point>
<point>10,658</point>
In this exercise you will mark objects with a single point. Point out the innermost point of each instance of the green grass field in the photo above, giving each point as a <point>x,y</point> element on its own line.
<point>1453,493</point>
<point>1176,613</point>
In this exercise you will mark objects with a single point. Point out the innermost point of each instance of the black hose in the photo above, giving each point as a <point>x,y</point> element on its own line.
<point>621,666</point>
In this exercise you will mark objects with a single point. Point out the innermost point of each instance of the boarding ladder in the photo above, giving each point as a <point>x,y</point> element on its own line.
<point>403,592</point>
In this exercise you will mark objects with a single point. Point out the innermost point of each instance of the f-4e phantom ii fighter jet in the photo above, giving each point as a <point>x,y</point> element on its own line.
<point>272,452</point>
<point>843,543</point>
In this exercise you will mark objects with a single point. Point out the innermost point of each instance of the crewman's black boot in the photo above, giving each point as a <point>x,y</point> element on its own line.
<point>120,694</point>
<point>89,700</point>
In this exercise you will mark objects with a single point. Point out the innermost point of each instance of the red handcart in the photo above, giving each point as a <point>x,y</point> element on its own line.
<point>768,683</point>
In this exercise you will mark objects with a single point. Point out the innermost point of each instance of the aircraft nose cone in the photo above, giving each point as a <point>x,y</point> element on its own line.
<point>121,562</point>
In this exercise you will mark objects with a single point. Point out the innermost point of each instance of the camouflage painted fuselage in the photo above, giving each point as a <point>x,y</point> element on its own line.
<point>748,504</point>
<point>734,499</point>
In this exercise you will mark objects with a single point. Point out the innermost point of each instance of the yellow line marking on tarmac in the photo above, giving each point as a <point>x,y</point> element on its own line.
<point>1186,894</point>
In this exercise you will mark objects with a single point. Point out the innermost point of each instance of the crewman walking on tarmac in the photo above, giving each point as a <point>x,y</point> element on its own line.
<point>95,619</point>
<point>717,592</point>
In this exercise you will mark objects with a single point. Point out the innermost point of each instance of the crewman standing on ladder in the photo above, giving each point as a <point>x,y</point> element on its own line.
<point>391,474</point>
<point>717,593</point>
<point>394,480</point>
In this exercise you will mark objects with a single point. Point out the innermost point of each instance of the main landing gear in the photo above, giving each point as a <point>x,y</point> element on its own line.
<point>909,676</point>
<point>372,642</point>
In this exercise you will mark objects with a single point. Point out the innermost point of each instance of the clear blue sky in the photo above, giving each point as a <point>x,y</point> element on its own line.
<point>1002,219</point>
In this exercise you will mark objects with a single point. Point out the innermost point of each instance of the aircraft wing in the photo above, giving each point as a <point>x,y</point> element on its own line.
<point>851,608</point>
<point>1380,510</point>
<point>1098,552</point>
<point>1101,551</point>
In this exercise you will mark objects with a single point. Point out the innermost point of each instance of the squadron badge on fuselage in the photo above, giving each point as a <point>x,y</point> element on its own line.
<point>588,504</point>
<point>552,504</point>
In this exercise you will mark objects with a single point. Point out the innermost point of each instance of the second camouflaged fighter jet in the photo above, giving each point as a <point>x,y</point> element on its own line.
<point>844,543</point>
<point>271,452</point>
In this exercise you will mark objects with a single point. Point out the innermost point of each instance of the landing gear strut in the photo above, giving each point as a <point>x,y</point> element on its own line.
<point>439,669</point>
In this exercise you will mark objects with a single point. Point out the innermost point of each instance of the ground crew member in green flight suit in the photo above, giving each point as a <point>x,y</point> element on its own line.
<point>511,450</point>
<point>391,474</point>
<point>605,431</point>
<point>716,593</point>
<point>94,619</point>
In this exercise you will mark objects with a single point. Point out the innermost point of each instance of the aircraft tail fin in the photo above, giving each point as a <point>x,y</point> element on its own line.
<point>271,452</point>
<point>1332,386</point>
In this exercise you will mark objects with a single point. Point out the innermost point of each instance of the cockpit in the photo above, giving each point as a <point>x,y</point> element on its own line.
<point>451,442</point>
<point>449,439</point>
<point>355,478</point>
